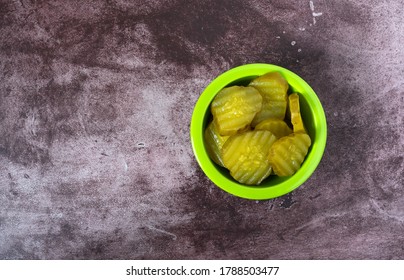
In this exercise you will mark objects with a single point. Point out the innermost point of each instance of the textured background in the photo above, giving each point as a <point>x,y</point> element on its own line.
<point>95,106</point>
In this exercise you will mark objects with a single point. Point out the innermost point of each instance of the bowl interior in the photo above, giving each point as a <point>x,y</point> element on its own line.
<point>274,186</point>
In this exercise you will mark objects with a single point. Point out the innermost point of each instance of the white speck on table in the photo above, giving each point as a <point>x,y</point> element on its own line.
<point>314,14</point>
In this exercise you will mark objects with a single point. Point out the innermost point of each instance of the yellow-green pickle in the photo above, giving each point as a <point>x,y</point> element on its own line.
<point>234,107</point>
<point>287,153</point>
<point>246,156</point>
<point>273,88</point>
<point>295,116</point>
<point>278,127</point>
<point>214,143</point>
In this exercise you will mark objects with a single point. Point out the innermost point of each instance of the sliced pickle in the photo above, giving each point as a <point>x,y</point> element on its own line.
<point>246,156</point>
<point>273,88</point>
<point>295,116</point>
<point>214,143</point>
<point>288,153</point>
<point>234,107</point>
<point>278,127</point>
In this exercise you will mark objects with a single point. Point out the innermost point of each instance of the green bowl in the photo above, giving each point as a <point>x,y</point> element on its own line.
<point>274,186</point>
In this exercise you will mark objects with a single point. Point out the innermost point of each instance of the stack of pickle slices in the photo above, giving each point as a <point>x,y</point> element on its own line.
<point>257,130</point>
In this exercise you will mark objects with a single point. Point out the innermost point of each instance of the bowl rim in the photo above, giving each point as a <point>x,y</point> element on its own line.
<point>211,170</point>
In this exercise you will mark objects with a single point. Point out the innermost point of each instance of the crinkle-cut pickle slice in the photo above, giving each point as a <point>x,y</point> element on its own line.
<point>273,88</point>
<point>278,127</point>
<point>233,108</point>
<point>246,156</point>
<point>295,116</point>
<point>288,153</point>
<point>214,143</point>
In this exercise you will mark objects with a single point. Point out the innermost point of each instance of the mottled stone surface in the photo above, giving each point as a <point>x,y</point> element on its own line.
<point>95,105</point>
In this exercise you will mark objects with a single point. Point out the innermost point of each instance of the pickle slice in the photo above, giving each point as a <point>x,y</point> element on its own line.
<point>295,116</point>
<point>278,127</point>
<point>234,107</point>
<point>288,153</point>
<point>246,156</point>
<point>214,143</point>
<point>273,88</point>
